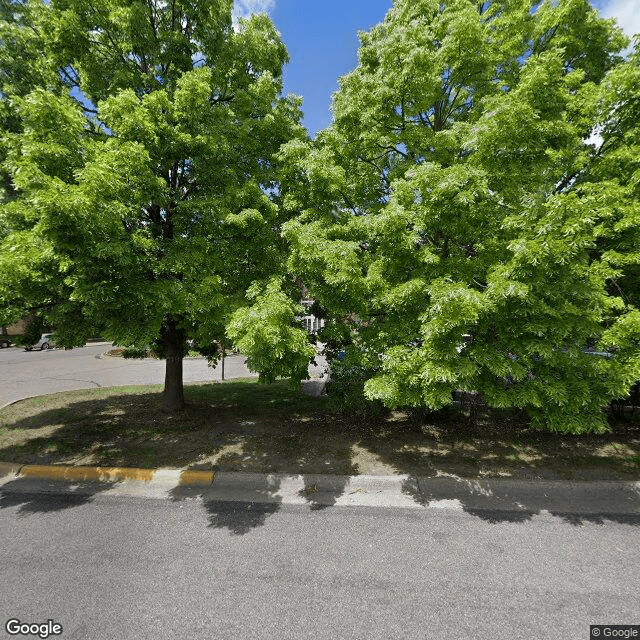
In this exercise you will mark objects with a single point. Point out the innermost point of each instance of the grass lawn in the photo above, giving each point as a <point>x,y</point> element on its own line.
<point>240,425</point>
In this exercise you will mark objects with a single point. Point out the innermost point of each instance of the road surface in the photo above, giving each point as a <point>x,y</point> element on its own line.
<point>113,568</point>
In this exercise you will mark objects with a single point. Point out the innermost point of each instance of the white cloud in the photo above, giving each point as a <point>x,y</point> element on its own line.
<point>244,8</point>
<point>627,13</point>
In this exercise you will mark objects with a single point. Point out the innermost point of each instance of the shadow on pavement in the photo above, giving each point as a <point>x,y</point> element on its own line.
<point>244,506</point>
<point>575,519</point>
<point>42,496</point>
<point>496,501</point>
<point>322,499</point>
<point>239,517</point>
<point>239,511</point>
<point>597,518</point>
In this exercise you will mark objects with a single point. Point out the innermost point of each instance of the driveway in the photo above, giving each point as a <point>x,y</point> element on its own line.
<point>31,373</point>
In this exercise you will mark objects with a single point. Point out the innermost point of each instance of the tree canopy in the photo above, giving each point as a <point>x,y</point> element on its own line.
<point>468,222</point>
<point>458,193</point>
<point>142,161</point>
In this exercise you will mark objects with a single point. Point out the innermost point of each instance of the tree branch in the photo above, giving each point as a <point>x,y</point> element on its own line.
<point>350,204</point>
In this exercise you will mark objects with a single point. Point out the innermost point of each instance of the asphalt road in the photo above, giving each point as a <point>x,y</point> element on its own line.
<point>114,568</point>
<point>31,373</point>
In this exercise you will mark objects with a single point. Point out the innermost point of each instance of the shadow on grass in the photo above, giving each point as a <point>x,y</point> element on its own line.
<point>269,429</point>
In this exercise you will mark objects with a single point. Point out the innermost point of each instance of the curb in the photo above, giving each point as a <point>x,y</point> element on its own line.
<point>107,474</point>
<point>4,406</point>
<point>523,498</point>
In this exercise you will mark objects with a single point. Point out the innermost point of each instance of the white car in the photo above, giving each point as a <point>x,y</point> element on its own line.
<point>45,342</point>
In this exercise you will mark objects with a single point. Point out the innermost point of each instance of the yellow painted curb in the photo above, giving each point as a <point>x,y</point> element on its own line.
<point>86,473</point>
<point>196,477</point>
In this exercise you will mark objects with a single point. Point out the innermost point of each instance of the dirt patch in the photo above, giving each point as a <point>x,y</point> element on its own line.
<point>245,426</point>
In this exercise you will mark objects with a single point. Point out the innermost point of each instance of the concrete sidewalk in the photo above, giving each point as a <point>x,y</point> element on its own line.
<point>318,491</point>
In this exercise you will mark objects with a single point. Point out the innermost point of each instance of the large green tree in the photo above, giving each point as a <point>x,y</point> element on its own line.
<point>447,198</point>
<point>22,68</point>
<point>146,181</point>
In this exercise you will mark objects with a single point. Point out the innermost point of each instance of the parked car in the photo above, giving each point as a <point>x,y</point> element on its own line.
<point>46,341</point>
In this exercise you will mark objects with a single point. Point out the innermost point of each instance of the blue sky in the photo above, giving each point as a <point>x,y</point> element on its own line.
<point>321,36</point>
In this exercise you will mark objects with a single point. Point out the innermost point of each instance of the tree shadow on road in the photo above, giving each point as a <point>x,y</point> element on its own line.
<point>45,496</point>
<point>239,517</point>
<point>504,500</point>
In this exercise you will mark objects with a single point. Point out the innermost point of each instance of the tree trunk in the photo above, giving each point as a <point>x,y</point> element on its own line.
<point>173,340</point>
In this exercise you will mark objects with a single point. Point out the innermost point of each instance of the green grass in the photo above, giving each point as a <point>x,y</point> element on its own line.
<point>243,425</point>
